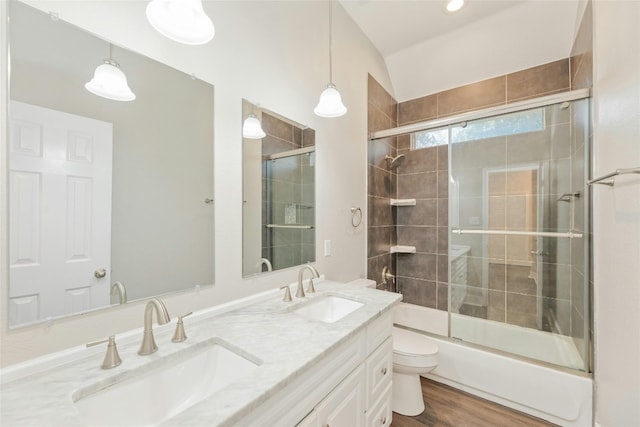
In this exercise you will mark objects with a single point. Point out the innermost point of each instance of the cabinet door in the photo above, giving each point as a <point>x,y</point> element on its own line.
<point>345,405</point>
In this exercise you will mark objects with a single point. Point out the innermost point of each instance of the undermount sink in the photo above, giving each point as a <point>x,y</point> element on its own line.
<point>328,309</point>
<point>156,392</point>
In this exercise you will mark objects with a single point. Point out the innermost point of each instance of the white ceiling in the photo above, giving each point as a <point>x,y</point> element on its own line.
<point>393,25</point>
<point>428,49</point>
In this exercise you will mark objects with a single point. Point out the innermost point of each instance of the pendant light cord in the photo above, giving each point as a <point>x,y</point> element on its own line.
<point>330,41</point>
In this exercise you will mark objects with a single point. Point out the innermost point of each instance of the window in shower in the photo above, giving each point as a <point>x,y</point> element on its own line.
<point>517,201</point>
<point>507,124</point>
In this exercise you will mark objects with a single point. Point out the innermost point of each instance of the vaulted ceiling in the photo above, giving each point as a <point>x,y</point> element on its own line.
<point>427,49</point>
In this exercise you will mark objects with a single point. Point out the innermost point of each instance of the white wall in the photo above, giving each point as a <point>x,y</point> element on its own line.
<point>499,44</point>
<point>616,213</point>
<point>274,53</point>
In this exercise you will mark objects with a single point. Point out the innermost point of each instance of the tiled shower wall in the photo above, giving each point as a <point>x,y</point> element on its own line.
<point>422,277</point>
<point>382,183</point>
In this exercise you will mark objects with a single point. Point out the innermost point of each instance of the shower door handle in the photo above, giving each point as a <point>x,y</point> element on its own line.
<point>538,253</point>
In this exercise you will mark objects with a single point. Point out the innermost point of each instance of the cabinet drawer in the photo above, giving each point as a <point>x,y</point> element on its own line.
<point>379,415</point>
<point>379,370</point>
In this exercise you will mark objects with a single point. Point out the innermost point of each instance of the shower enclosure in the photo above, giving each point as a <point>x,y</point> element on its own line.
<point>517,233</point>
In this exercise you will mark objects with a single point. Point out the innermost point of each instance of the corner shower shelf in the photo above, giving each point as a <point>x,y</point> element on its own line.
<point>403,202</point>
<point>403,249</point>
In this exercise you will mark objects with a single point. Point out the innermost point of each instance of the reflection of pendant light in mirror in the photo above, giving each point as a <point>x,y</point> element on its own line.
<point>110,82</point>
<point>252,128</point>
<point>330,104</point>
<point>183,21</point>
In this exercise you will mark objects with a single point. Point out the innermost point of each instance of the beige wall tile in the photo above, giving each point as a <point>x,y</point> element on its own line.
<point>474,96</point>
<point>417,110</point>
<point>537,81</point>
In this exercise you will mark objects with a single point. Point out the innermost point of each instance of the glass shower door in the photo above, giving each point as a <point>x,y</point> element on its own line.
<point>518,216</point>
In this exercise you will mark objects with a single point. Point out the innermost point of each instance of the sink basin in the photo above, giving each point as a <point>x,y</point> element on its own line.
<point>160,390</point>
<point>328,309</point>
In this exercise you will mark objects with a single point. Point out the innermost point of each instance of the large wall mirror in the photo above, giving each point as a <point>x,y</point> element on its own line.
<point>102,191</point>
<point>278,192</point>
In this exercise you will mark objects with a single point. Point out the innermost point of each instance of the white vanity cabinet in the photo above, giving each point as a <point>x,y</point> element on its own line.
<point>349,387</point>
<point>345,405</point>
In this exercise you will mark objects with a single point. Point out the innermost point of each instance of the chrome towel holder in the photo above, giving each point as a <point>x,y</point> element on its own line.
<point>608,179</point>
<point>356,217</point>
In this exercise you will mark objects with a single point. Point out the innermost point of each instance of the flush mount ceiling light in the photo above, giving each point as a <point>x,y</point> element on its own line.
<point>183,21</point>
<point>330,103</point>
<point>110,82</point>
<point>454,5</point>
<point>252,129</point>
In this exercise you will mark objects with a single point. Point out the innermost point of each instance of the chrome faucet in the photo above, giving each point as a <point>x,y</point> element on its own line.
<point>148,345</point>
<point>118,289</point>
<point>300,290</point>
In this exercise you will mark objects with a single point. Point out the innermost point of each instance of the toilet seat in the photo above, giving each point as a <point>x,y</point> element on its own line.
<point>413,350</point>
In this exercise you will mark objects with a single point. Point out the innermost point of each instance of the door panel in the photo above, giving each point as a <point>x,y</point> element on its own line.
<point>60,212</point>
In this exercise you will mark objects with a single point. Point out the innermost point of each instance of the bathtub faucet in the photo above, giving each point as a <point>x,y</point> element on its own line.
<point>386,276</point>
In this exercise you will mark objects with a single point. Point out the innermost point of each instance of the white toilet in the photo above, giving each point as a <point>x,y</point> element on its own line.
<point>413,355</point>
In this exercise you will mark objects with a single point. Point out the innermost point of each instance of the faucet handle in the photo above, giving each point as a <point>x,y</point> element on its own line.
<point>311,289</point>
<point>287,294</point>
<point>111,358</point>
<point>180,335</point>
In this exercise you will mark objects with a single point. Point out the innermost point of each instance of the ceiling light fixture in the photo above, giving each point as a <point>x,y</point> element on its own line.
<point>183,21</point>
<point>330,103</point>
<point>455,5</point>
<point>110,82</point>
<point>252,128</point>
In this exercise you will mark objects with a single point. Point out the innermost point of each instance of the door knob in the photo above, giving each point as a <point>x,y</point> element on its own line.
<point>100,273</point>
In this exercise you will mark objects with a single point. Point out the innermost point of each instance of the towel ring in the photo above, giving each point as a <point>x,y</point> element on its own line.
<point>356,217</point>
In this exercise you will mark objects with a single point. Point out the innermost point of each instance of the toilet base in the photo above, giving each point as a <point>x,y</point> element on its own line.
<point>407,394</point>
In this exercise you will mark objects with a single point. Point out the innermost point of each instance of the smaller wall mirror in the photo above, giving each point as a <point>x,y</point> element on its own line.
<point>278,192</point>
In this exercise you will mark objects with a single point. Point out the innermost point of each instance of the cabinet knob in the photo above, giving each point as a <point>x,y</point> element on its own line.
<point>384,371</point>
<point>383,420</point>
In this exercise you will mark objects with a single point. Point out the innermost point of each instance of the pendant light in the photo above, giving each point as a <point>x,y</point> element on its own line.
<point>183,21</point>
<point>110,82</point>
<point>330,103</point>
<point>252,128</point>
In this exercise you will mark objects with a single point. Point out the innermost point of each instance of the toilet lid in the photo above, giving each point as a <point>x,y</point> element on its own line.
<point>410,343</point>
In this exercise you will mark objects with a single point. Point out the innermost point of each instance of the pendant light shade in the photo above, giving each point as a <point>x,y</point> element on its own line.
<point>110,82</point>
<point>183,21</point>
<point>330,104</point>
<point>252,128</point>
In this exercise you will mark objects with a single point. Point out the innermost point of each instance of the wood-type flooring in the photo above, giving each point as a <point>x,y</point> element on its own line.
<point>449,407</point>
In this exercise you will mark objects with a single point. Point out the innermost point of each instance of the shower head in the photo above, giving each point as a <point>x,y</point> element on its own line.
<point>394,162</point>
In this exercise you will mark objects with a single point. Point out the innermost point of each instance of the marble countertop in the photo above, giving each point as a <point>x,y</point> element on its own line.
<point>284,343</point>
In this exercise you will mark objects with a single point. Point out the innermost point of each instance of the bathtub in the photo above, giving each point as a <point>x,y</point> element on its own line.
<point>556,395</point>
